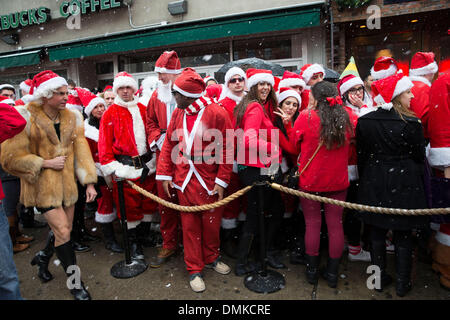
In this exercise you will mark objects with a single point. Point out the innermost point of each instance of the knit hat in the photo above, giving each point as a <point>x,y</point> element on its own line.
<point>189,84</point>
<point>423,63</point>
<point>74,102</point>
<point>168,62</point>
<point>254,76</point>
<point>7,100</point>
<point>26,85</point>
<point>89,100</point>
<point>385,90</point>
<point>383,68</point>
<point>291,79</point>
<point>233,72</point>
<point>347,82</point>
<point>46,80</point>
<point>286,93</point>
<point>308,70</point>
<point>124,79</point>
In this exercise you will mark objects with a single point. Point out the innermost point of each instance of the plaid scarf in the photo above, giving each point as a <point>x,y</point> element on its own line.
<point>197,105</point>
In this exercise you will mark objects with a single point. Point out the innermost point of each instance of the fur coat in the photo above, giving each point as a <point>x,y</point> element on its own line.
<point>24,154</point>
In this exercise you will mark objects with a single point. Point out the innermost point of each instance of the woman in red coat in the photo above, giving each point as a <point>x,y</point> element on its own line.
<point>324,134</point>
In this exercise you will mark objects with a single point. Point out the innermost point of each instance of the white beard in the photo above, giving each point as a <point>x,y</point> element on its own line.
<point>165,92</point>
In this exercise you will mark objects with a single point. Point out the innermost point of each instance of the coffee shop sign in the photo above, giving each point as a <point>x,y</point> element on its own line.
<point>41,15</point>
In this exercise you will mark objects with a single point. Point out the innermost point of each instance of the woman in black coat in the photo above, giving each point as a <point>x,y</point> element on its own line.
<point>391,153</point>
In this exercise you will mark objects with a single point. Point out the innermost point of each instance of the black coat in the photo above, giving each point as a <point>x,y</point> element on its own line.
<point>391,155</point>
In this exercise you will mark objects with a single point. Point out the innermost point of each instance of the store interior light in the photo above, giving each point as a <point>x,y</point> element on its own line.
<point>414,21</point>
<point>362,27</point>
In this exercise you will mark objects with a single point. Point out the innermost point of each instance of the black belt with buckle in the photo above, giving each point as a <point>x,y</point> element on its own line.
<point>197,158</point>
<point>138,162</point>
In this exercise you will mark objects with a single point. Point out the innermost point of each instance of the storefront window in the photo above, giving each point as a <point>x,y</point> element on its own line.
<point>267,48</point>
<point>105,67</point>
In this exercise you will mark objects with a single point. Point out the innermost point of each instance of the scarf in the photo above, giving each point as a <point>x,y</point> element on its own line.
<point>197,105</point>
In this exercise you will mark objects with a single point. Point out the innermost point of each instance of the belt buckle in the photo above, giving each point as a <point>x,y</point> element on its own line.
<point>140,165</point>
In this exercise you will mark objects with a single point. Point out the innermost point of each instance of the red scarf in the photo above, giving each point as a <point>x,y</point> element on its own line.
<point>197,105</point>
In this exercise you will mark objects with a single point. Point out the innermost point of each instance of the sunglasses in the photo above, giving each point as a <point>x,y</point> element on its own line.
<point>236,80</point>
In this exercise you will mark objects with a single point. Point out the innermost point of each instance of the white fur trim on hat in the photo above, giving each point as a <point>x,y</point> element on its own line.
<point>311,70</point>
<point>420,79</point>
<point>439,157</point>
<point>51,84</point>
<point>261,77</point>
<point>430,68</point>
<point>7,86</point>
<point>23,86</point>
<point>349,84</point>
<point>187,94</point>
<point>377,75</point>
<point>27,98</point>
<point>381,103</point>
<point>94,102</point>
<point>124,81</point>
<point>165,70</point>
<point>289,93</point>
<point>402,85</point>
<point>232,72</point>
<point>290,82</point>
<point>74,107</point>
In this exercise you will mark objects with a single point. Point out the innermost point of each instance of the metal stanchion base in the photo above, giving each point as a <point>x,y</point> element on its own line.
<point>122,270</point>
<point>265,282</point>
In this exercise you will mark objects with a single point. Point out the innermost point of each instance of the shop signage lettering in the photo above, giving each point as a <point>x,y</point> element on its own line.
<point>24,18</point>
<point>86,6</point>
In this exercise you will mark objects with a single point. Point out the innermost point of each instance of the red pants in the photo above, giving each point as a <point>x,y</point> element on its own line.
<point>201,230</point>
<point>170,219</point>
<point>137,205</point>
<point>105,211</point>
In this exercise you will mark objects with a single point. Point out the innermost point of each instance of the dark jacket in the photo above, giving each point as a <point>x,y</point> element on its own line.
<point>391,154</point>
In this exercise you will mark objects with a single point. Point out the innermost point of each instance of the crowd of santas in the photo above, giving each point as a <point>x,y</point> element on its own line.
<point>348,141</point>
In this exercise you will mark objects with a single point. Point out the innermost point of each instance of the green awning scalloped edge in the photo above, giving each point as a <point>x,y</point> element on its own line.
<point>20,59</point>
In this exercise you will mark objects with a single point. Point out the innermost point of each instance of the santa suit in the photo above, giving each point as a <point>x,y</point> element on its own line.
<point>105,212</point>
<point>122,132</point>
<point>419,104</point>
<point>194,179</point>
<point>159,114</point>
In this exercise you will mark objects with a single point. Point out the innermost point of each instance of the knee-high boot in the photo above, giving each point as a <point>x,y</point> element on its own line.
<point>331,272</point>
<point>242,265</point>
<point>403,266</point>
<point>42,258</point>
<point>378,256</point>
<point>66,254</point>
<point>312,268</point>
<point>273,259</point>
<point>110,240</point>
<point>135,246</point>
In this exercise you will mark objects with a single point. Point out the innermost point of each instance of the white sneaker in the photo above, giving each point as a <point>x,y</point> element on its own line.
<point>361,256</point>
<point>197,283</point>
<point>219,267</point>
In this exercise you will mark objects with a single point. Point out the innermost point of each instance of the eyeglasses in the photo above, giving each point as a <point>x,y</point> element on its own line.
<point>61,93</point>
<point>317,76</point>
<point>354,90</point>
<point>236,80</point>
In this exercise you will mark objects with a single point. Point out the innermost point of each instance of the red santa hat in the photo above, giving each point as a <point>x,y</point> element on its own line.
<point>233,72</point>
<point>108,88</point>
<point>348,82</point>
<point>124,79</point>
<point>383,68</point>
<point>423,63</point>
<point>26,85</point>
<point>286,93</point>
<point>89,100</point>
<point>308,70</point>
<point>255,76</point>
<point>385,90</point>
<point>44,81</point>
<point>190,84</point>
<point>7,100</point>
<point>73,101</point>
<point>168,62</point>
<point>291,79</point>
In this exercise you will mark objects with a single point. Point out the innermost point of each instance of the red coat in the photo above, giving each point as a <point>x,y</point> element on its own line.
<point>328,170</point>
<point>122,132</point>
<point>229,103</point>
<point>11,123</point>
<point>419,104</point>
<point>439,122</point>
<point>186,132</point>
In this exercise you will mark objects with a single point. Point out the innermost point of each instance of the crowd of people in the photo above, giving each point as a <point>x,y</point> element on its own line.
<point>192,141</point>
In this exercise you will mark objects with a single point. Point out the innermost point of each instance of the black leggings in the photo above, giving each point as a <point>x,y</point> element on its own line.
<point>401,238</point>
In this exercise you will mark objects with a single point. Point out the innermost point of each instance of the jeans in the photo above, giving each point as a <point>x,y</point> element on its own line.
<point>9,281</point>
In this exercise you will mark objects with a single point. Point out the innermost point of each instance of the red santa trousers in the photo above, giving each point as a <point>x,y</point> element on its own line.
<point>170,219</point>
<point>105,211</point>
<point>136,205</point>
<point>201,230</point>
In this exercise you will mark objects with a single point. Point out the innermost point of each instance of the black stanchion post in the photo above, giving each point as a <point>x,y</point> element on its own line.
<point>128,268</point>
<point>263,281</point>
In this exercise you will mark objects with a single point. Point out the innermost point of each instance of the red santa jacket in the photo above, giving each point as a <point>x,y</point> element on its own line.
<point>328,170</point>
<point>419,104</point>
<point>229,103</point>
<point>188,135</point>
<point>439,122</point>
<point>158,118</point>
<point>122,132</point>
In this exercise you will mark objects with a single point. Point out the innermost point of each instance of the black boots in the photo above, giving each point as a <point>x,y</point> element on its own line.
<point>331,272</point>
<point>137,253</point>
<point>66,255</point>
<point>228,239</point>
<point>403,266</point>
<point>378,256</point>
<point>243,267</point>
<point>145,235</point>
<point>110,240</point>
<point>27,218</point>
<point>42,258</point>
<point>312,269</point>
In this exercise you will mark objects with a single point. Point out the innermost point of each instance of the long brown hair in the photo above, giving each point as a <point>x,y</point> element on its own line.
<point>402,110</point>
<point>334,120</point>
<point>252,96</point>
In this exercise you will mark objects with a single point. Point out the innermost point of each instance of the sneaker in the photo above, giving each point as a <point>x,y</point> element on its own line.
<point>219,267</point>
<point>361,256</point>
<point>390,248</point>
<point>196,282</point>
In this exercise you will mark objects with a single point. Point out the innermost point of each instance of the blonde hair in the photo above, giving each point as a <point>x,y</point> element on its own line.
<point>401,109</point>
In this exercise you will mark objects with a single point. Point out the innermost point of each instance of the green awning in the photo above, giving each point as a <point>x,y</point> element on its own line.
<point>20,59</point>
<point>306,17</point>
